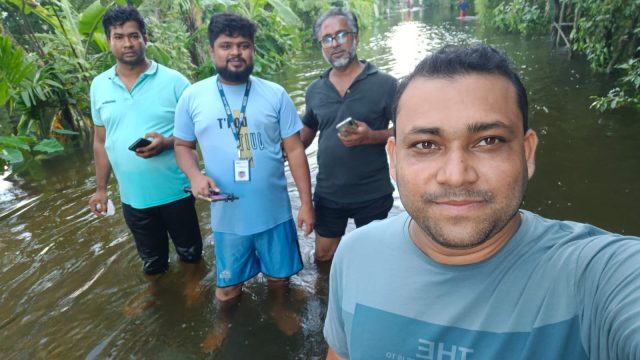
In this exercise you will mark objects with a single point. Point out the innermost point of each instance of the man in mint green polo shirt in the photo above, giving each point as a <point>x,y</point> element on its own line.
<point>134,99</point>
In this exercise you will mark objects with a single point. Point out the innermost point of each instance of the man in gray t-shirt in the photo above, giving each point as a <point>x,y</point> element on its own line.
<point>353,176</point>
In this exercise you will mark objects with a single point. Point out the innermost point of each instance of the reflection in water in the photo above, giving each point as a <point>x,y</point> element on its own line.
<point>66,276</point>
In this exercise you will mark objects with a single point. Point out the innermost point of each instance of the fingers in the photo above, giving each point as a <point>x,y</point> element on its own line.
<point>98,206</point>
<point>212,185</point>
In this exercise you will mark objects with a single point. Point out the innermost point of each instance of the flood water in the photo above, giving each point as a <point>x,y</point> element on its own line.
<point>68,278</point>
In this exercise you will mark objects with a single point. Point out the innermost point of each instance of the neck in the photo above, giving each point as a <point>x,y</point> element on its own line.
<point>467,256</point>
<point>353,68</point>
<point>229,82</point>
<point>132,71</point>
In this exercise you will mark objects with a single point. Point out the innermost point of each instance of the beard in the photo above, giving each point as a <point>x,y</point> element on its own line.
<point>464,233</point>
<point>138,60</point>
<point>240,76</point>
<point>345,60</point>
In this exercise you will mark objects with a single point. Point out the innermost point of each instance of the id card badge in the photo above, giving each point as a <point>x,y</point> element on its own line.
<point>241,170</point>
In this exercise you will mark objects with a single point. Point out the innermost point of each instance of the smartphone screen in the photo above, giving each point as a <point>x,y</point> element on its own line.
<point>347,123</point>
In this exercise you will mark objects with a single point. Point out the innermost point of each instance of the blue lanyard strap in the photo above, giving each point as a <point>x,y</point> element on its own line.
<point>235,130</point>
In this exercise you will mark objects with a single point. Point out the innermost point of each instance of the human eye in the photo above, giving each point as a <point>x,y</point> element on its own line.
<point>341,35</point>
<point>135,36</point>
<point>489,141</point>
<point>225,46</point>
<point>245,46</point>
<point>326,40</point>
<point>425,145</point>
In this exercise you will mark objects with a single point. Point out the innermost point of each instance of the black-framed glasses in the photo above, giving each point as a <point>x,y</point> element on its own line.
<point>340,37</point>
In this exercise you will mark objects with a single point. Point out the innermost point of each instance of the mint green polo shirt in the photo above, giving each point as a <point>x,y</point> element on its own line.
<point>128,115</point>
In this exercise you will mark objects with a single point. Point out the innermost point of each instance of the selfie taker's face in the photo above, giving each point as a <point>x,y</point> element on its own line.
<point>338,55</point>
<point>460,158</point>
<point>232,57</point>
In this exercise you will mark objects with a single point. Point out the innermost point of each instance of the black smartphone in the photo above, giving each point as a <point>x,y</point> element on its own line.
<point>141,142</point>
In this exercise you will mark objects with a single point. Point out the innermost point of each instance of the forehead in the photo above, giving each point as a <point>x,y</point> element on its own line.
<point>224,38</point>
<point>333,24</point>
<point>126,28</point>
<point>455,104</point>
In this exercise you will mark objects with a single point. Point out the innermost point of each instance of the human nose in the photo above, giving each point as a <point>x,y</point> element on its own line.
<point>456,169</point>
<point>236,50</point>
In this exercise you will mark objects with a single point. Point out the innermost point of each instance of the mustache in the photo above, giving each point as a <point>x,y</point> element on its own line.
<point>459,194</point>
<point>236,59</point>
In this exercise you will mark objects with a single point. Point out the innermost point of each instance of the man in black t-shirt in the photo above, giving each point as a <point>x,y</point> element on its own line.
<point>353,176</point>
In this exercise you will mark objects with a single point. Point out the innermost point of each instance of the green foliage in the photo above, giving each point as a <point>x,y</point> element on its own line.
<point>519,16</point>
<point>15,149</point>
<point>608,32</point>
<point>627,93</point>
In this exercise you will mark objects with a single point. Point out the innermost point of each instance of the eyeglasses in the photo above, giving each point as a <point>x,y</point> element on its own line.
<point>340,37</point>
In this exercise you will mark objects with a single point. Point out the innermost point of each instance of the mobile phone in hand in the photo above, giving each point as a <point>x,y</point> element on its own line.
<point>141,142</point>
<point>345,124</point>
<point>215,196</point>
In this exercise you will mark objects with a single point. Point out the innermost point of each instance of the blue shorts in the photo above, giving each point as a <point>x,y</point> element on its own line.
<point>273,252</point>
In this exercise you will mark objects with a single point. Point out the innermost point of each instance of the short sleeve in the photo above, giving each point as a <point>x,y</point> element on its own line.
<point>289,120</point>
<point>334,328</point>
<point>95,113</point>
<point>309,119</point>
<point>181,84</point>
<point>183,125</point>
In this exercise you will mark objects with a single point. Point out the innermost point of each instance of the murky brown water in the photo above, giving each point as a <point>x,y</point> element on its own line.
<point>66,276</point>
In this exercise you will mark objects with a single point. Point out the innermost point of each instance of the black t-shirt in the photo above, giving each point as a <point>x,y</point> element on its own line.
<point>358,173</point>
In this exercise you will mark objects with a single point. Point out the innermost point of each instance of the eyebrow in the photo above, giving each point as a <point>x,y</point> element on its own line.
<point>485,126</point>
<point>422,131</point>
<point>473,128</point>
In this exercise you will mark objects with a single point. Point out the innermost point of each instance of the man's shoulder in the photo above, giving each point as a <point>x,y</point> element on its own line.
<point>204,87</point>
<point>374,73</point>
<point>574,238</point>
<point>267,84</point>
<point>106,75</point>
<point>171,73</point>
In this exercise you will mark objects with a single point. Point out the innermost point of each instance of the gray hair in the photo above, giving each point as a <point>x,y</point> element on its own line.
<point>352,21</point>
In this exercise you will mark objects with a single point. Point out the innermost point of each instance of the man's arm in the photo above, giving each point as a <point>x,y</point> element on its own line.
<point>331,355</point>
<point>307,135</point>
<point>300,171</point>
<point>103,171</point>
<point>364,135</point>
<point>187,159</point>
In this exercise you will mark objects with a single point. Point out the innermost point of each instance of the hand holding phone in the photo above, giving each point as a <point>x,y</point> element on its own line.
<point>215,196</point>
<point>345,124</point>
<point>139,143</point>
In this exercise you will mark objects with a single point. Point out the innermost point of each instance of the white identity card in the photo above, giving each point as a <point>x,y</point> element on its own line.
<point>241,170</point>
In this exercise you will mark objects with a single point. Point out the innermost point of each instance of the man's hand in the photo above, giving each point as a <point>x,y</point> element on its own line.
<point>201,184</point>
<point>98,203</point>
<point>306,219</point>
<point>158,145</point>
<point>361,135</point>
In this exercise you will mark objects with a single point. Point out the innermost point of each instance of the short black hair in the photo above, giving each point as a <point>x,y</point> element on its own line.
<point>231,24</point>
<point>352,20</point>
<point>453,60</point>
<point>118,15</point>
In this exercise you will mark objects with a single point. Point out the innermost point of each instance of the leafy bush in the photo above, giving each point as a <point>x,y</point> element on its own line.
<point>519,16</point>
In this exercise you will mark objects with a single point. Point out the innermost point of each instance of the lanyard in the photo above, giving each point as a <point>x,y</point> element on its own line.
<point>235,130</point>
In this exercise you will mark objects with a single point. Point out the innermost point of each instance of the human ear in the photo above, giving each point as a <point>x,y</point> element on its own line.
<point>391,153</point>
<point>530,146</point>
